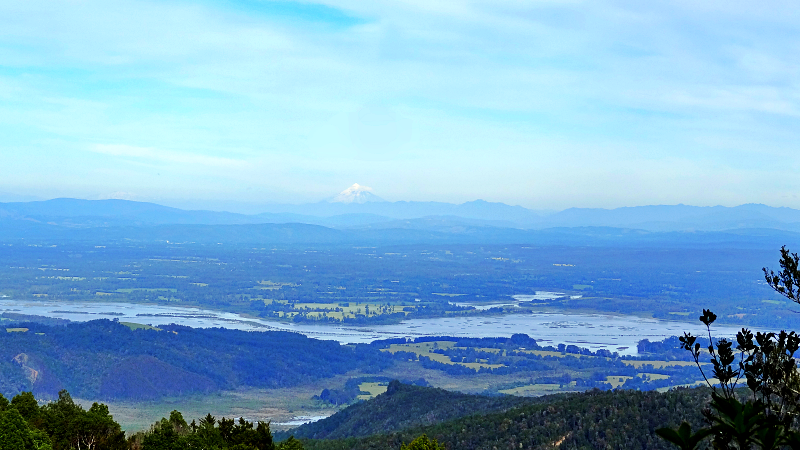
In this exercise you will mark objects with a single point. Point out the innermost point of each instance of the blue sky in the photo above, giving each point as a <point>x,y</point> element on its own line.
<point>547,104</point>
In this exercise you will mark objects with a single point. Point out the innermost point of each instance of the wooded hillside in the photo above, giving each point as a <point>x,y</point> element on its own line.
<point>594,419</point>
<point>106,359</point>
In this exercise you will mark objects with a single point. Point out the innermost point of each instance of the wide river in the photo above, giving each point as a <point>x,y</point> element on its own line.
<point>594,331</point>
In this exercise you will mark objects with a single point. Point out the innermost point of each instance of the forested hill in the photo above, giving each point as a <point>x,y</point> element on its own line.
<point>106,359</point>
<point>403,406</point>
<point>593,419</point>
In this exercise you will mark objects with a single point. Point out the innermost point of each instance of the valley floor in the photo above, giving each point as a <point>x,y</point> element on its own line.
<point>285,408</point>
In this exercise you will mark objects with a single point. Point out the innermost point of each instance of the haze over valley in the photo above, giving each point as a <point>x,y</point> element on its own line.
<point>345,225</point>
<point>602,283</point>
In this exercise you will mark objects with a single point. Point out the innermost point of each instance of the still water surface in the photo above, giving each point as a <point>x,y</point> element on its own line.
<point>594,331</point>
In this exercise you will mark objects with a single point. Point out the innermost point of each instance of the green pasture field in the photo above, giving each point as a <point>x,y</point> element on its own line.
<point>653,376</point>
<point>499,351</point>
<point>616,381</point>
<point>131,290</point>
<point>657,364</point>
<point>424,349</point>
<point>479,383</point>
<point>556,354</point>
<point>535,390</point>
<point>267,285</point>
<point>374,389</point>
<point>276,405</point>
<point>139,326</point>
<point>350,311</point>
<point>689,385</point>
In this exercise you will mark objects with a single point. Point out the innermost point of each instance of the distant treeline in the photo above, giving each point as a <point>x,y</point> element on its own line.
<point>64,425</point>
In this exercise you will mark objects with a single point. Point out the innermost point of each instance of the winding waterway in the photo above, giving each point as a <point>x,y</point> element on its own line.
<point>594,331</point>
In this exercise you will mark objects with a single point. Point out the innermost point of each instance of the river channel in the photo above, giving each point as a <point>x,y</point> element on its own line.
<point>594,331</point>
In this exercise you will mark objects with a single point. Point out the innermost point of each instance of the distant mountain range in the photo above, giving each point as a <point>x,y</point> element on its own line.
<point>389,223</point>
<point>681,218</point>
<point>366,214</point>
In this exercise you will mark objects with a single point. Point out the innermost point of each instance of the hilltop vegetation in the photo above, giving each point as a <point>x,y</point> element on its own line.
<point>402,406</point>
<point>106,359</point>
<point>59,425</point>
<point>612,419</point>
<point>594,419</point>
<point>65,425</point>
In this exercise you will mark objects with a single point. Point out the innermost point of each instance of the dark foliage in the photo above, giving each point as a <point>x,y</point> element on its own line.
<point>174,433</point>
<point>59,425</point>
<point>104,359</point>
<point>767,417</point>
<point>403,406</point>
<point>594,419</point>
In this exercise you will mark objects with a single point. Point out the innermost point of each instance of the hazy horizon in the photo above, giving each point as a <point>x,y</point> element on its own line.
<point>242,207</point>
<point>547,105</point>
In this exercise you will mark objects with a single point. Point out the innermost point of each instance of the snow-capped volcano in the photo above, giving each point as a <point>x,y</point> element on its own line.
<point>356,194</point>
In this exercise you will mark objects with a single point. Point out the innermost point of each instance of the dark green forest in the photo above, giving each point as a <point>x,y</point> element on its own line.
<point>61,424</point>
<point>64,425</point>
<point>403,406</point>
<point>594,419</point>
<point>105,359</point>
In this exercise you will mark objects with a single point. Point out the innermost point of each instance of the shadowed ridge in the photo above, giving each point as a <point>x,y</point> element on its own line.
<point>592,419</point>
<point>403,406</point>
<point>144,377</point>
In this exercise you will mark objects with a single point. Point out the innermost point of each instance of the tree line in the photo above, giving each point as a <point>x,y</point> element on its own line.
<point>66,425</point>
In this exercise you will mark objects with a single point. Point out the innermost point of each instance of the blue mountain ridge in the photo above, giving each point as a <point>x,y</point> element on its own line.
<point>419,215</point>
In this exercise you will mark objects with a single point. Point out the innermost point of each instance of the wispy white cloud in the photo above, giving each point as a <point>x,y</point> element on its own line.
<point>158,155</point>
<point>253,99</point>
